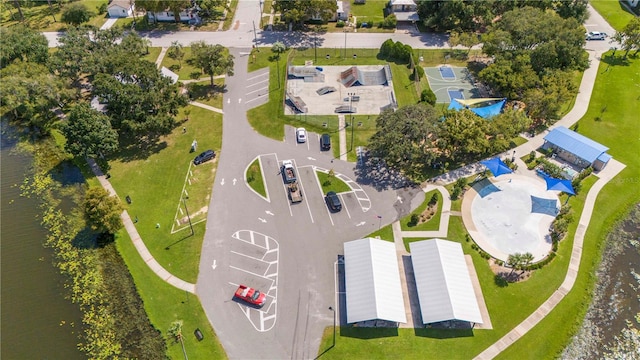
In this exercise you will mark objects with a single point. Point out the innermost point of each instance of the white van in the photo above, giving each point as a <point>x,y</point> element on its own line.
<point>595,35</point>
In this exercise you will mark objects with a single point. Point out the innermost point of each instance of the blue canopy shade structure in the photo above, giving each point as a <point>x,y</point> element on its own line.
<point>484,112</point>
<point>496,166</point>
<point>559,185</point>
<point>544,206</point>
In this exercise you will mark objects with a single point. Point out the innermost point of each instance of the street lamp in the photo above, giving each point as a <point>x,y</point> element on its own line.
<point>334,325</point>
<point>345,43</point>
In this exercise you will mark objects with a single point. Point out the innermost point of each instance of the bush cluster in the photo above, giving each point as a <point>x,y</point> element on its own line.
<point>396,51</point>
<point>458,188</point>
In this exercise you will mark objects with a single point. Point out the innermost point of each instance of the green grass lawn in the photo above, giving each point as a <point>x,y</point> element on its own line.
<point>153,54</point>
<point>202,92</point>
<point>254,178</point>
<point>187,71</point>
<point>616,15</point>
<point>156,176</point>
<point>231,12</point>
<point>331,184</point>
<point>431,224</point>
<point>38,15</point>
<point>385,233</point>
<point>371,12</point>
<point>164,304</point>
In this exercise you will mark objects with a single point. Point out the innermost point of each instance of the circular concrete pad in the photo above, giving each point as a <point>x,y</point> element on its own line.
<point>503,221</point>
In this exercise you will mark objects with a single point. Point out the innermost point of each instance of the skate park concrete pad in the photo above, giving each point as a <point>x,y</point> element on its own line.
<point>371,97</point>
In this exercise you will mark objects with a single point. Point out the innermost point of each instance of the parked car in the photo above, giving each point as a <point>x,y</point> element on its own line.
<point>204,157</point>
<point>301,135</point>
<point>596,35</point>
<point>325,142</point>
<point>333,201</point>
<point>250,295</point>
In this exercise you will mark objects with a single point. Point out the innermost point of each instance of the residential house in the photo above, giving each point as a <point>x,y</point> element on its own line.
<point>121,8</point>
<point>404,10</point>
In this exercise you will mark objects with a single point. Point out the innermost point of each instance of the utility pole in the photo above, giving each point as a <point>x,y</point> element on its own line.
<point>188,216</point>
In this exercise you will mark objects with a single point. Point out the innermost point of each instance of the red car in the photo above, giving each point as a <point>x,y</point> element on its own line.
<point>250,295</point>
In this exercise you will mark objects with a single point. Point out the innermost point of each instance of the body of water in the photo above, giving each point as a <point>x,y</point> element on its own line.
<point>37,321</point>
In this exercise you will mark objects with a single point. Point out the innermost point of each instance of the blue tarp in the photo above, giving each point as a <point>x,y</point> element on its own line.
<point>578,145</point>
<point>496,166</point>
<point>559,185</point>
<point>484,112</point>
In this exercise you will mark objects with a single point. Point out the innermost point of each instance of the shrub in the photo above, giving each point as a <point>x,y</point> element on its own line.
<point>427,95</point>
<point>340,24</point>
<point>389,22</point>
<point>386,48</point>
<point>414,219</point>
<point>102,8</point>
<point>455,193</point>
<point>433,200</point>
<point>532,155</point>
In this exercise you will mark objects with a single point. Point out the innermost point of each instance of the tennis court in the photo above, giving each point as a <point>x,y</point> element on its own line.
<point>449,82</point>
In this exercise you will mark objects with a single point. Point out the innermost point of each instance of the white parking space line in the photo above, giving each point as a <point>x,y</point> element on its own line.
<point>254,99</point>
<point>320,188</point>
<point>247,271</point>
<point>345,205</point>
<point>259,75</point>
<point>260,89</point>
<point>257,83</point>
<point>261,319</point>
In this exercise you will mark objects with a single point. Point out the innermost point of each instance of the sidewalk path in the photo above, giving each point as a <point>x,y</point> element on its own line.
<point>609,172</point>
<point>443,228</point>
<point>137,240</point>
<point>205,106</point>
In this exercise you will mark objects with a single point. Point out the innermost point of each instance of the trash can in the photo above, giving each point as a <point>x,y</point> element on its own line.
<point>198,335</point>
<point>128,198</point>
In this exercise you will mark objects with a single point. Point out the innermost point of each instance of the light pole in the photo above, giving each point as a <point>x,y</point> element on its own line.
<point>334,325</point>
<point>345,43</point>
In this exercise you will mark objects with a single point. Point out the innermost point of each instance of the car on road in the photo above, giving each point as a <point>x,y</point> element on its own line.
<point>596,35</point>
<point>333,201</point>
<point>325,142</point>
<point>204,157</point>
<point>250,295</point>
<point>301,135</point>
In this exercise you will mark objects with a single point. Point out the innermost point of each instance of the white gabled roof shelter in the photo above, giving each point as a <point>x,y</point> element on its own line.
<point>444,286</point>
<point>372,281</point>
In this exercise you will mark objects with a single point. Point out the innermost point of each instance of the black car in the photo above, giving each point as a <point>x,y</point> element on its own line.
<point>333,201</point>
<point>325,142</point>
<point>204,157</point>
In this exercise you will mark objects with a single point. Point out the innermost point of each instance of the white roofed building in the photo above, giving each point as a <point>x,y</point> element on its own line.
<point>443,282</point>
<point>372,282</point>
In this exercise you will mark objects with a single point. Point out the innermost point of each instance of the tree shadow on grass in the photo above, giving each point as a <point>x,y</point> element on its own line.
<point>132,149</point>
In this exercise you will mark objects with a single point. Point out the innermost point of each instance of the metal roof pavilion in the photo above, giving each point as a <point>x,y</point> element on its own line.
<point>579,145</point>
<point>372,281</point>
<point>444,286</point>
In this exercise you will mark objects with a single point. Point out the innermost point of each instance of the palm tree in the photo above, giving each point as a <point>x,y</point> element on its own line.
<point>525,260</point>
<point>278,48</point>
<point>175,330</point>
<point>514,261</point>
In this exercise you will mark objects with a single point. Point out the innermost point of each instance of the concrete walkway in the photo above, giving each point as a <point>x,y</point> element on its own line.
<point>443,228</point>
<point>205,106</point>
<point>137,240</point>
<point>163,52</point>
<point>108,24</point>
<point>342,133</point>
